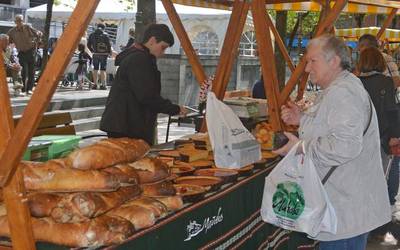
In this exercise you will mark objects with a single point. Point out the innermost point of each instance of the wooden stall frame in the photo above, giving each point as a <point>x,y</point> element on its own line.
<point>14,143</point>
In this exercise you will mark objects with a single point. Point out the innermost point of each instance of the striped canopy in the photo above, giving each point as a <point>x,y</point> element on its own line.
<point>354,6</point>
<point>354,33</point>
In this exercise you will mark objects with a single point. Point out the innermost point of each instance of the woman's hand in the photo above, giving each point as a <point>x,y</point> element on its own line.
<point>290,113</point>
<point>285,149</point>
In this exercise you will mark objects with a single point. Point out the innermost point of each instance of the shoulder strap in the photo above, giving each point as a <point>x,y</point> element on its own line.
<point>326,177</point>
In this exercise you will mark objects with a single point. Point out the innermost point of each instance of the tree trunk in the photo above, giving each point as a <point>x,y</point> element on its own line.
<point>45,38</point>
<point>145,15</point>
<point>281,17</point>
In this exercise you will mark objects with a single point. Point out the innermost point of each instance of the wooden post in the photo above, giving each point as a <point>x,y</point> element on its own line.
<point>46,87</point>
<point>268,67</point>
<point>185,42</point>
<point>325,24</point>
<point>18,215</point>
<point>280,43</point>
<point>229,48</point>
<point>386,24</point>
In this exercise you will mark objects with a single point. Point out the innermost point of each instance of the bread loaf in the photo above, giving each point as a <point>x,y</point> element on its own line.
<point>53,176</point>
<point>78,207</point>
<point>124,173</point>
<point>149,169</point>
<point>139,216</point>
<point>104,230</point>
<point>173,203</point>
<point>108,152</point>
<point>157,207</point>
<point>161,188</point>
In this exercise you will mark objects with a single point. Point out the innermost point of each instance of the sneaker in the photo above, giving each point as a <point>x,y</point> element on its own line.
<point>103,87</point>
<point>389,240</point>
<point>94,86</point>
<point>79,88</point>
<point>29,92</point>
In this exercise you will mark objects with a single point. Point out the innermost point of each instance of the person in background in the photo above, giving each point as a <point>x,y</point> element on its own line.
<point>134,99</point>
<point>131,39</point>
<point>380,88</point>
<point>391,70</point>
<point>99,44</point>
<point>11,64</point>
<point>258,90</point>
<point>25,38</point>
<point>341,129</point>
<point>83,60</point>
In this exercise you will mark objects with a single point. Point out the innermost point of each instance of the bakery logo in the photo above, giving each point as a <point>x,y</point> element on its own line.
<point>237,131</point>
<point>194,228</point>
<point>288,200</point>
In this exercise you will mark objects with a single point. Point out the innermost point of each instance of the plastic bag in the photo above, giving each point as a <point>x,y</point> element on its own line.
<point>295,199</point>
<point>233,145</point>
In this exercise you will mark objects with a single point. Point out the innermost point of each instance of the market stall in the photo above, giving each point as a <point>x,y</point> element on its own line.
<point>14,142</point>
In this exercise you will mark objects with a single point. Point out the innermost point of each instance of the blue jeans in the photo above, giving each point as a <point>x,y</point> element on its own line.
<point>393,180</point>
<point>356,243</point>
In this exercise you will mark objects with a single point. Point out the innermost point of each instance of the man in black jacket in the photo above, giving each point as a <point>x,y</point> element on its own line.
<point>134,100</point>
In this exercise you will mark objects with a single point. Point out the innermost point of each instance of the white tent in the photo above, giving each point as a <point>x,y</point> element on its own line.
<point>194,19</point>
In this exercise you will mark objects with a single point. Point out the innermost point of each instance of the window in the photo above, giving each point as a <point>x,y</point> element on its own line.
<point>206,43</point>
<point>248,44</point>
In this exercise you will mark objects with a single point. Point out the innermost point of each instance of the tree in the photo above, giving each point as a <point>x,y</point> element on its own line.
<point>145,15</point>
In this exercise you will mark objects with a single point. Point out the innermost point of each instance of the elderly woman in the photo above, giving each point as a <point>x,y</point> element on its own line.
<point>341,129</point>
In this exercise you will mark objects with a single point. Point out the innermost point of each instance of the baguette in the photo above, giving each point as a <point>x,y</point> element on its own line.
<point>161,188</point>
<point>124,174</point>
<point>173,203</point>
<point>139,216</point>
<point>78,207</point>
<point>53,176</point>
<point>149,169</point>
<point>108,152</point>
<point>157,207</point>
<point>104,230</point>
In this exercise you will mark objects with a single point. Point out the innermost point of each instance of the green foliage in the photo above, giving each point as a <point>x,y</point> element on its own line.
<point>308,23</point>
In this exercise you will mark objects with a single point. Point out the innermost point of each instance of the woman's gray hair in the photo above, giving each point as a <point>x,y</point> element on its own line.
<point>331,46</point>
<point>3,36</point>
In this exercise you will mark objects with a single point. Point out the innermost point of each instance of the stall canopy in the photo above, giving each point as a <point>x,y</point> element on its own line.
<point>355,6</point>
<point>392,35</point>
<point>106,10</point>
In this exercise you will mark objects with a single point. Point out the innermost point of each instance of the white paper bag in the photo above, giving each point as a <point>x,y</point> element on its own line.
<point>295,199</point>
<point>233,145</point>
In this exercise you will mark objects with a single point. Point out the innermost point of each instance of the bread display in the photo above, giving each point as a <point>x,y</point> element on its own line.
<point>78,207</point>
<point>161,188</point>
<point>139,216</point>
<point>53,176</point>
<point>104,230</point>
<point>173,203</point>
<point>149,169</point>
<point>108,152</point>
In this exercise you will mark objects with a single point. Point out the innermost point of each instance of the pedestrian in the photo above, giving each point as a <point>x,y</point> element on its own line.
<point>84,59</point>
<point>99,44</point>
<point>12,67</point>
<point>341,129</point>
<point>134,99</point>
<point>131,39</point>
<point>25,39</point>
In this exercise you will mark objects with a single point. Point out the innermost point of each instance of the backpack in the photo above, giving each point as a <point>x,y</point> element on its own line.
<point>101,43</point>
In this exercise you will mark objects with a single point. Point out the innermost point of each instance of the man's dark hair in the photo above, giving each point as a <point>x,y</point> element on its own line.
<point>368,40</point>
<point>101,26</point>
<point>161,32</point>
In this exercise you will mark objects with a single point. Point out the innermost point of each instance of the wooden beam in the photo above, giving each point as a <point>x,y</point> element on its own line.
<point>185,42</point>
<point>13,194</point>
<point>326,24</point>
<point>386,24</point>
<point>46,87</point>
<point>229,48</point>
<point>280,43</point>
<point>302,86</point>
<point>268,67</point>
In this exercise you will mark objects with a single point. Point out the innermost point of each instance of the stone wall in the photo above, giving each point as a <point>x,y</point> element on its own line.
<point>180,85</point>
